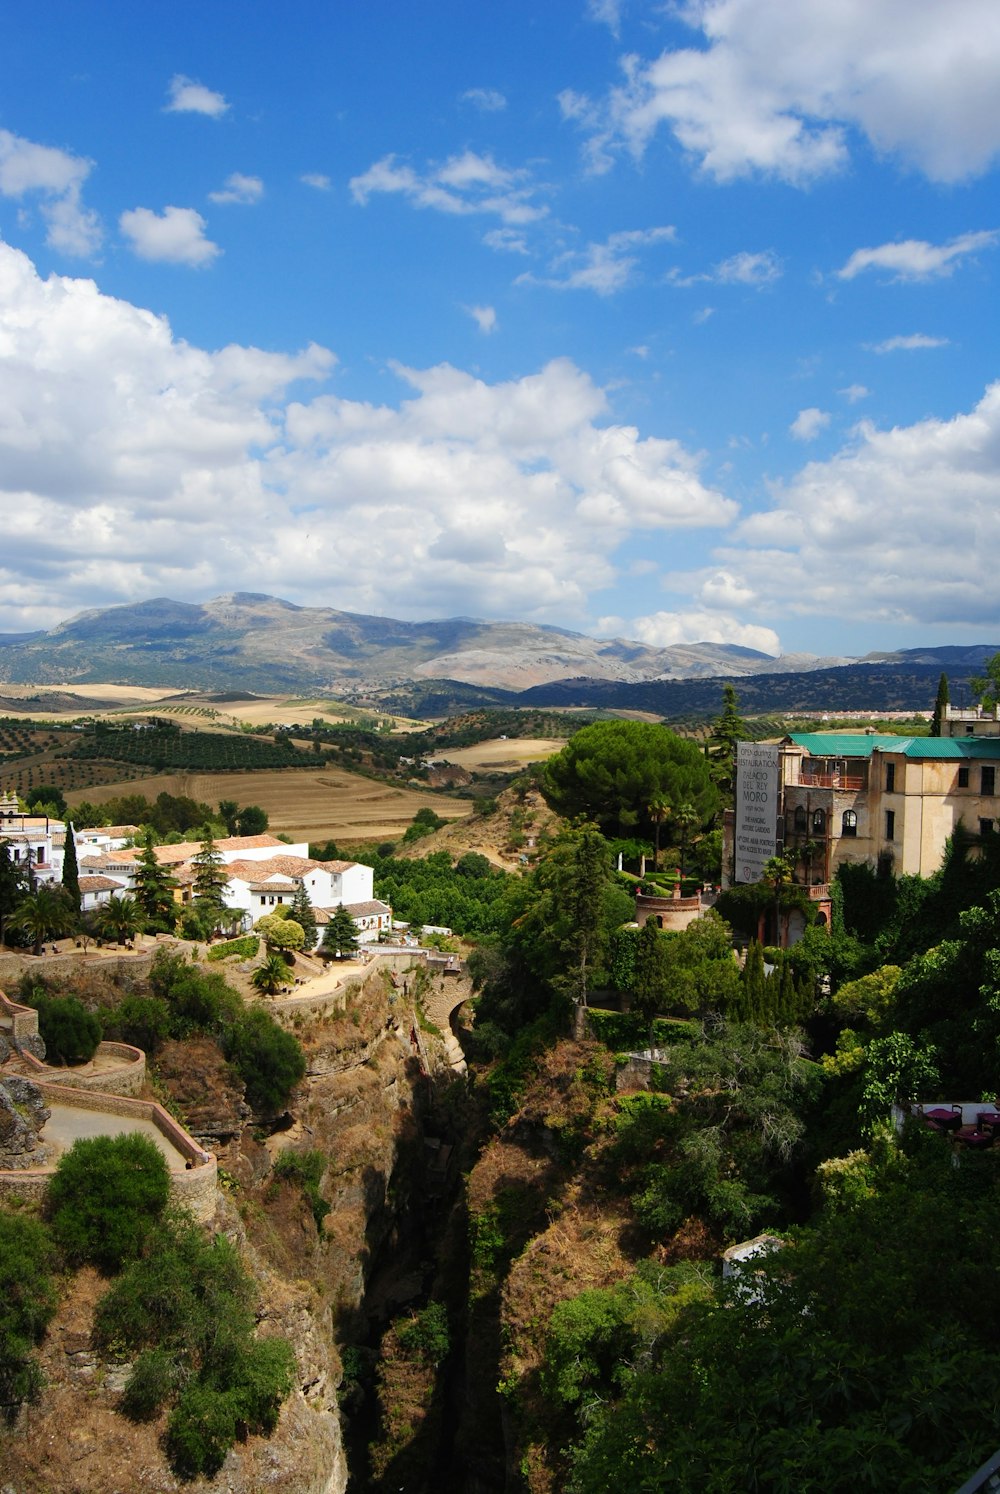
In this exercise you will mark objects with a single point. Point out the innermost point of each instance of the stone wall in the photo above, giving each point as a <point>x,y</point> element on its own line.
<point>195,1187</point>
<point>126,1078</point>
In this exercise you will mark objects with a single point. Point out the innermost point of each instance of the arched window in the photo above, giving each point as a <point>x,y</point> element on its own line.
<point>850,822</point>
<point>800,817</point>
<point>819,822</point>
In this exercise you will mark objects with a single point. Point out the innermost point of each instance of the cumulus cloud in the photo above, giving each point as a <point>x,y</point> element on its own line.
<point>853,393</point>
<point>808,423</point>
<point>239,188</point>
<point>463,184</point>
<point>54,178</point>
<point>489,100</point>
<point>134,464</point>
<point>485,317</point>
<point>910,342</point>
<point>763,268</point>
<point>316,179</point>
<point>901,526</point>
<point>176,236</point>
<point>663,629</point>
<point>916,259</point>
<point>604,268</point>
<point>185,96</point>
<point>777,87</point>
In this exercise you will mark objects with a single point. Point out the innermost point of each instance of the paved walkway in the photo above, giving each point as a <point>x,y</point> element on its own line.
<point>67,1124</point>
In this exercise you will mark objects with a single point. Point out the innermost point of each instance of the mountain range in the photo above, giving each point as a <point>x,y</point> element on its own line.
<point>251,642</point>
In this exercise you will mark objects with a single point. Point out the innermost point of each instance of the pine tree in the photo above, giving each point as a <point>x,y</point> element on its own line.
<point>209,878</point>
<point>340,937</point>
<point>303,914</point>
<point>71,870</point>
<point>154,885</point>
<point>728,729</point>
<point>940,707</point>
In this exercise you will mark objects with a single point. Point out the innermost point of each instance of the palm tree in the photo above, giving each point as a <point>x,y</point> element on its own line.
<point>271,975</point>
<point>658,810</point>
<point>121,919</point>
<point>687,820</point>
<point>777,874</point>
<point>44,914</point>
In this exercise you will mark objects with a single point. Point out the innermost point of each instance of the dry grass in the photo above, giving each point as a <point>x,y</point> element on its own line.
<point>325,804</point>
<point>503,756</point>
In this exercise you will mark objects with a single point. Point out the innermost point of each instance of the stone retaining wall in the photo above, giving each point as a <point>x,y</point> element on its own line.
<point>195,1187</point>
<point>127,1078</point>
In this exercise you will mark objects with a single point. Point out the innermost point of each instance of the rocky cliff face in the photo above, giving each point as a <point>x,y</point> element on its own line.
<point>364,1106</point>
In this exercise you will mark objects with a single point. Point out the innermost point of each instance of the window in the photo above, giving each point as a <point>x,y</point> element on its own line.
<point>963,776</point>
<point>986,827</point>
<point>819,822</point>
<point>890,778</point>
<point>989,778</point>
<point>849,825</point>
<point>890,824</point>
<point>800,817</point>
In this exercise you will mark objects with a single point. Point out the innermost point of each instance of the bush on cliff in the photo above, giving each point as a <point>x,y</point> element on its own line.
<point>106,1195</point>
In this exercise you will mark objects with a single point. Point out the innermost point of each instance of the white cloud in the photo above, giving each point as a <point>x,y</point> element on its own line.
<point>663,629</point>
<point>604,268</point>
<point>808,424</point>
<point>239,188</point>
<point>134,464</point>
<point>901,526</point>
<point>489,100</point>
<point>188,97</point>
<point>508,240</point>
<point>607,13</point>
<point>763,268</point>
<point>916,259</point>
<point>485,317</point>
<point>316,179</point>
<point>176,236</point>
<point>777,87</point>
<point>911,342</point>
<point>854,392</point>
<point>463,184</point>
<point>56,177</point>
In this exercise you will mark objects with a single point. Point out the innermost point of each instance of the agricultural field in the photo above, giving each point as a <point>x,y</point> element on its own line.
<point>496,756</point>
<point>308,804</point>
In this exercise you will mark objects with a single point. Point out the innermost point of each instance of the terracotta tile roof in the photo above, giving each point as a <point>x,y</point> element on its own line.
<point>292,867</point>
<point>360,910</point>
<point>186,850</point>
<point>99,884</point>
<point>103,859</point>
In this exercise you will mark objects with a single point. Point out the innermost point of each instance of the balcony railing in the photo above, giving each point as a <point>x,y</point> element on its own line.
<point>848,783</point>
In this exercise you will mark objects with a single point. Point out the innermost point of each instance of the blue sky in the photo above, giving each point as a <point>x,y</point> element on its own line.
<point>673,322</point>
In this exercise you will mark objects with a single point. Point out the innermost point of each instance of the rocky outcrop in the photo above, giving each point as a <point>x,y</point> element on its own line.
<point>23,1113</point>
<point>204,1089</point>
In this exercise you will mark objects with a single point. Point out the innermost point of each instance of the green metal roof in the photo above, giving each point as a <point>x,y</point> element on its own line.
<point>862,745</point>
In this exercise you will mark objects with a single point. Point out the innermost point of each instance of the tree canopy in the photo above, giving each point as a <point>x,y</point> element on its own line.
<point>613,771</point>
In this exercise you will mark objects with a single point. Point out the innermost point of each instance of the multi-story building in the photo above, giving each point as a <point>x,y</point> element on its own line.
<point>890,801</point>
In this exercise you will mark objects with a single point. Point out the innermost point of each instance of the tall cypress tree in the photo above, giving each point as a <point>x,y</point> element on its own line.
<point>940,707</point>
<point>209,877</point>
<point>71,870</point>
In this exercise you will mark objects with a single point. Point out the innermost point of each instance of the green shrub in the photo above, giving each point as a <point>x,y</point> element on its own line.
<point>153,1381</point>
<point>426,1333</point>
<point>27,1302</point>
<point>71,1034</point>
<point>201,1430</point>
<point>143,1021</point>
<point>268,1059</point>
<point>306,1169</point>
<point>246,947</point>
<point>106,1194</point>
<point>262,1379</point>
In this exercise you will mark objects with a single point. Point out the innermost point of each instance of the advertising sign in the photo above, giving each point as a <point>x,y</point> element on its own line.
<point>756,809</point>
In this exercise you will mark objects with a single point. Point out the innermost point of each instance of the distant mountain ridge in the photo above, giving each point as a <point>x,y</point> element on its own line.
<point>249,641</point>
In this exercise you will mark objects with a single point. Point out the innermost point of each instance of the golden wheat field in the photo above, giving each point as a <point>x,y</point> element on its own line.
<point>502,756</point>
<point>325,804</point>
